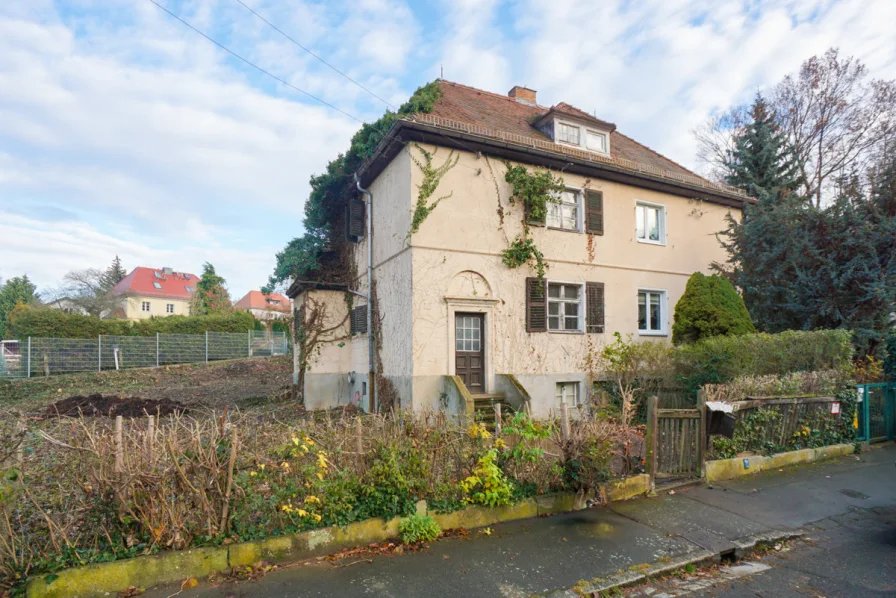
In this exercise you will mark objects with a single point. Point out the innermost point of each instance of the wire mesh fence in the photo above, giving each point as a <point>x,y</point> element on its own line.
<point>50,356</point>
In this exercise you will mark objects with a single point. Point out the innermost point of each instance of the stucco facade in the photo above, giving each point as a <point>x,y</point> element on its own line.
<point>138,307</point>
<point>453,264</point>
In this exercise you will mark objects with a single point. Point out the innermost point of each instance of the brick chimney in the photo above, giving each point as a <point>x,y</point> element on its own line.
<point>522,94</point>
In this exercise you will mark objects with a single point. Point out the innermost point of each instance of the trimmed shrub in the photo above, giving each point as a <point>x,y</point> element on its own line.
<point>723,358</point>
<point>710,306</point>
<point>25,321</point>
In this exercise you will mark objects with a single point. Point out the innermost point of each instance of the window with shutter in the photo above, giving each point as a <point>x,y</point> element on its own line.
<point>536,305</point>
<point>595,304</point>
<point>358,320</point>
<point>354,220</point>
<point>594,212</point>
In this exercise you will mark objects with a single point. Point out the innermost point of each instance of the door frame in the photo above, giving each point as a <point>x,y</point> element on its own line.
<point>473,306</point>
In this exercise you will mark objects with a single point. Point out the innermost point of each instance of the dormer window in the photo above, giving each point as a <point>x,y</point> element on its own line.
<point>568,134</point>
<point>596,141</point>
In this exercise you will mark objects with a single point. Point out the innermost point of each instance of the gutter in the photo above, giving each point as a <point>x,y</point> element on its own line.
<point>371,379</point>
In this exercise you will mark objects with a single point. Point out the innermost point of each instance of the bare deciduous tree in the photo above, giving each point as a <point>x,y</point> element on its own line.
<point>834,117</point>
<point>715,139</point>
<point>88,290</point>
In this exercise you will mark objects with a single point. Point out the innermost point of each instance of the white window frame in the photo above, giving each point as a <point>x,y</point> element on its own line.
<point>605,135</point>
<point>169,308</point>
<point>581,303</point>
<point>558,123</point>
<point>157,285</point>
<point>664,311</point>
<point>662,214</point>
<point>560,393</point>
<point>580,206</point>
<point>145,306</point>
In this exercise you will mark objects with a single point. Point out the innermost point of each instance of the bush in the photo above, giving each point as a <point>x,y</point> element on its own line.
<point>38,322</point>
<point>710,306</point>
<point>418,528</point>
<point>890,359</point>
<point>721,359</point>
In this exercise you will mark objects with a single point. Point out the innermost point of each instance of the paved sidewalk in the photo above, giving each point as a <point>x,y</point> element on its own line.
<point>544,555</point>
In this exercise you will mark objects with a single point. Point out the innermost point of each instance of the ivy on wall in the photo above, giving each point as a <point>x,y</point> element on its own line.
<point>321,253</point>
<point>432,176</point>
<point>533,191</point>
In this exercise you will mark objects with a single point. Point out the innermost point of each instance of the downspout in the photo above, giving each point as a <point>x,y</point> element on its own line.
<point>371,379</point>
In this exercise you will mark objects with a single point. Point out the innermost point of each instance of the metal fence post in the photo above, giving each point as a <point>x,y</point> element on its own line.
<point>206,346</point>
<point>249,353</point>
<point>157,349</point>
<point>99,352</point>
<point>29,357</point>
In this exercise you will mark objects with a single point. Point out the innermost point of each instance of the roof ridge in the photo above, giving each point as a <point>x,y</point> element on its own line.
<point>665,157</point>
<point>492,93</point>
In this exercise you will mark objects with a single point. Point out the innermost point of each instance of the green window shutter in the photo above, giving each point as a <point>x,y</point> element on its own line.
<point>594,295</point>
<point>594,212</point>
<point>536,305</point>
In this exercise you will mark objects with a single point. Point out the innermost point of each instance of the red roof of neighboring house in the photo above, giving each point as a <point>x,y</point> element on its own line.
<point>154,282</point>
<point>258,300</point>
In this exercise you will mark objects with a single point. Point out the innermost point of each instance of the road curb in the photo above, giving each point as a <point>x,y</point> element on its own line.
<point>105,579</point>
<point>639,573</point>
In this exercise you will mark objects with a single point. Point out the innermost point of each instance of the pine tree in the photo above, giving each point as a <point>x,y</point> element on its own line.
<point>112,275</point>
<point>761,162</point>
<point>211,296</point>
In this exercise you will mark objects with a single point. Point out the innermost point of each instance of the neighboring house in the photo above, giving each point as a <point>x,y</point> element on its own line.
<point>456,321</point>
<point>147,292</point>
<point>66,305</point>
<point>264,307</point>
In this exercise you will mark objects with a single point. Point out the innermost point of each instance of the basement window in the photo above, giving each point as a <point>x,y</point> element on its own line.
<point>568,392</point>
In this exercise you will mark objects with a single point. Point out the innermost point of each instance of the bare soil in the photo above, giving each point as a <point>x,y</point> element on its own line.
<point>112,405</point>
<point>244,383</point>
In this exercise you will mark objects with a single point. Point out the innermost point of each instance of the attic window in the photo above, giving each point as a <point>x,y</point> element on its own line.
<point>567,133</point>
<point>596,141</point>
<point>157,274</point>
<point>188,289</point>
<point>157,285</point>
<point>186,277</point>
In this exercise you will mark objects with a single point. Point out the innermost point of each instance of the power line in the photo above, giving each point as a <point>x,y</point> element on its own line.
<point>281,32</point>
<point>256,67</point>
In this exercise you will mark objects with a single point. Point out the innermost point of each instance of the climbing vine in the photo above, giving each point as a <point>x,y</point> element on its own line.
<point>522,250</point>
<point>534,191</point>
<point>432,176</point>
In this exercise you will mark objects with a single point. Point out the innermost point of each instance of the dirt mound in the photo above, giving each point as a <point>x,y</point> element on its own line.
<point>111,405</point>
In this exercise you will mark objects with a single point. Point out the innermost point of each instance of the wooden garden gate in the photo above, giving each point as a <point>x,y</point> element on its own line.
<point>676,439</point>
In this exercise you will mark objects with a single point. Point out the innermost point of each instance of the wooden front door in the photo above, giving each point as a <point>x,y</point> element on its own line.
<point>469,353</point>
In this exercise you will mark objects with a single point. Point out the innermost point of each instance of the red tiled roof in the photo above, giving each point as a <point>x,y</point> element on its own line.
<point>142,281</point>
<point>505,114</point>
<point>258,300</point>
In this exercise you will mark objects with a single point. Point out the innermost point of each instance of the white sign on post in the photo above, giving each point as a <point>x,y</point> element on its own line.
<point>835,408</point>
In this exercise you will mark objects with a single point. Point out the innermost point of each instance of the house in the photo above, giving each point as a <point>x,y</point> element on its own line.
<point>147,292</point>
<point>457,324</point>
<point>66,305</point>
<point>272,306</point>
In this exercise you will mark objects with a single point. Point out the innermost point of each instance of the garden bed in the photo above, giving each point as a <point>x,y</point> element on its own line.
<point>112,405</point>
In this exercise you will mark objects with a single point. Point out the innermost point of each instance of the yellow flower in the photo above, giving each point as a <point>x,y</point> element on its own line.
<point>302,512</point>
<point>309,441</point>
<point>295,440</point>
<point>253,473</point>
<point>320,476</point>
<point>499,443</point>
<point>316,517</point>
<point>285,466</point>
<point>262,466</point>
<point>312,499</point>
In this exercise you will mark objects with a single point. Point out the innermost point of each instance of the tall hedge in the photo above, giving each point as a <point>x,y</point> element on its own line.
<point>25,321</point>
<point>710,306</point>
<point>723,358</point>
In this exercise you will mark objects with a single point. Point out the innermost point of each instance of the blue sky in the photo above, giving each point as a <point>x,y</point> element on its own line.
<point>123,132</point>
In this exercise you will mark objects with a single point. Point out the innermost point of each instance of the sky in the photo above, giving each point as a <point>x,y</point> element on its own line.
<point>123,132</point>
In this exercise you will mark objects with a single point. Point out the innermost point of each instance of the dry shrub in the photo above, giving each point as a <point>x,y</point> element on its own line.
<point>825,382</point>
